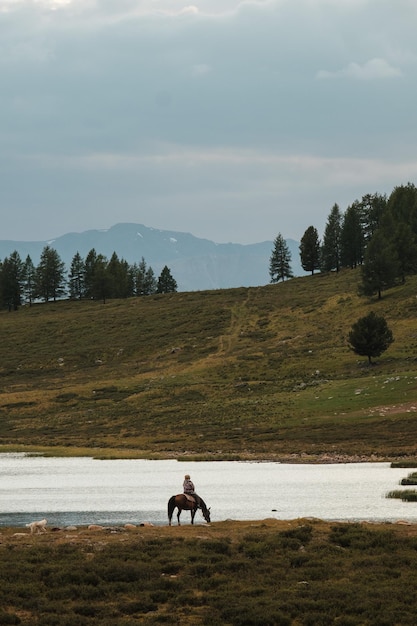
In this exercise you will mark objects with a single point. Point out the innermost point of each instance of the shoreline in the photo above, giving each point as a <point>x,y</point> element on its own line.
<point>186,456</point>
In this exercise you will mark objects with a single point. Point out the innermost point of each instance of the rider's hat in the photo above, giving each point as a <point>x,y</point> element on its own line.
<point>187,477</point>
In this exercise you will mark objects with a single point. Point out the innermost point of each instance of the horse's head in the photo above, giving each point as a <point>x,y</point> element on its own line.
<point>206,514</point>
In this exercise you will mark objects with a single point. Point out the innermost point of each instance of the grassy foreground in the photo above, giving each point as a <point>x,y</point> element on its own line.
<point>261,372</point>
<point>271,573</point>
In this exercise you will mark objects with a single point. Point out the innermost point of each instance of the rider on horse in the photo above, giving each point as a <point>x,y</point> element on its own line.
<point>189,489</point>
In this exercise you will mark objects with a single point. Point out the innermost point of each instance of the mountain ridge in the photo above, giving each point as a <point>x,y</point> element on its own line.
<point>196,263</point>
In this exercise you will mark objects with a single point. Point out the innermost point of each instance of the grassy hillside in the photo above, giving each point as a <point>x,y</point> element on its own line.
<point>261,372</point>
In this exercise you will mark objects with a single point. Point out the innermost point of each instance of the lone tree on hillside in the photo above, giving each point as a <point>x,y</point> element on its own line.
<point>280,261</point>
<point>370,336</point>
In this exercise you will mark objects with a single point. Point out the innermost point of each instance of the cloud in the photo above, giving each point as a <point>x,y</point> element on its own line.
<point>117,108</point>
<point>371,70</point>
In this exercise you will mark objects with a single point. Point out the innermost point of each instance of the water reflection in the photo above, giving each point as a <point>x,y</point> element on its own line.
<point>83,490</point>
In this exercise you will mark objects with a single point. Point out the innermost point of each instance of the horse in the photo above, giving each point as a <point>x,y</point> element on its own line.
<point>183,503</point>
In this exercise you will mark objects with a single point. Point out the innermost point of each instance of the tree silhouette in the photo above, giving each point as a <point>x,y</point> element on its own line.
<point>280,261</point>
<point>310,250</point>
<point>166,282</point>
<point>370,336</point>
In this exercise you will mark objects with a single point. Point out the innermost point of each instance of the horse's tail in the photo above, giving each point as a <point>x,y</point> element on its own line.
<point>171,507</point>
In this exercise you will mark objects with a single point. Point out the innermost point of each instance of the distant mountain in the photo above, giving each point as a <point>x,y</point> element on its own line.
<point>196,264</point>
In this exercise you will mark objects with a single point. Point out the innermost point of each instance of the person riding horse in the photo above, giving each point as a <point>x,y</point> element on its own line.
<point>189,489</point>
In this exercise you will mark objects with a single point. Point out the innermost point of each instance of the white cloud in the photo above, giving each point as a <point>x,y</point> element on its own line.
<point>145,103</point>
<point>371,70</point>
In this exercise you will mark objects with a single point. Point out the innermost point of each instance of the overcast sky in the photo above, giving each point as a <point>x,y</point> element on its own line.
<point>234,121</point>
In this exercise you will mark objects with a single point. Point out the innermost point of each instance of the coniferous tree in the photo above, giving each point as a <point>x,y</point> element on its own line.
<point>370,336</point>
<point>280,261</point>
<point>50,275</point>
<point>29,280</point>
<point>381,268</point>
<point>89,271</point>
<point>140,278</point>
<point>150,283</point>
<point>117,270</point>
<point>405,244</point>
<point>101,282</point>
<point>352,238</point>
<point>76,278</point>
<point>166,282</point>
<point>11,279</point>
<point>331,247</point>
<point>310,250</point>
<point>402,204</point>
<point>372,208</point>
<point>146,283</point>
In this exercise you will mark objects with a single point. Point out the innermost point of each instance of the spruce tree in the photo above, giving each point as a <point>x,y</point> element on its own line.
<point>166,282</point>
<point>11,280</point>
<point>280,261</point>
<point>352,238</point>
<point>381,267</point>
<point>50,275</point>
<point>310,250</point>
<point>29,280</point>
<point>331,248</point>
<point>76,278</point>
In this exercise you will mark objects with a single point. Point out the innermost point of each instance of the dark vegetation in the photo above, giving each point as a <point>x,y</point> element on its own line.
<point>305,573</point>
<point>260,372</point>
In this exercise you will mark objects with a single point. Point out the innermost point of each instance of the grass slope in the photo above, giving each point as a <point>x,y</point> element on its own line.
<point>261,372</point>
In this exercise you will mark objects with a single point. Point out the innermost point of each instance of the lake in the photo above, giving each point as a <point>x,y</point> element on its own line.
<point>82,491</point>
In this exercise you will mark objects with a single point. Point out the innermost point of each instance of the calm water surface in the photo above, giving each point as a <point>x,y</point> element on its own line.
<point>84,491</point>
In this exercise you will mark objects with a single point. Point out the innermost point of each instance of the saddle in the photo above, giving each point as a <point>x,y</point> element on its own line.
<point>190,498</point>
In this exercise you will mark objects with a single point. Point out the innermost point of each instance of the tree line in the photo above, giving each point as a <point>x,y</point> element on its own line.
<point>378,233</point>
<point>94,278</point>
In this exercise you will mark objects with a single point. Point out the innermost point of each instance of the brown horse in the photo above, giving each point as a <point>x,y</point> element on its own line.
<point>183,503</point>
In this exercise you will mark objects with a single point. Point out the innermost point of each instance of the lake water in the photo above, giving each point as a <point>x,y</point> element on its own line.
<point>84,491</point>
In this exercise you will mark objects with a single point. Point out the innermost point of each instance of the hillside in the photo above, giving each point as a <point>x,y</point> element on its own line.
<point>259,372</point>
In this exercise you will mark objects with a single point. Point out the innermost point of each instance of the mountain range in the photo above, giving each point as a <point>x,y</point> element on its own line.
<point>196,264</point>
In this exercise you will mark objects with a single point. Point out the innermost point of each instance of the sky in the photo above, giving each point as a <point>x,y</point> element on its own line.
<point>230,120</point>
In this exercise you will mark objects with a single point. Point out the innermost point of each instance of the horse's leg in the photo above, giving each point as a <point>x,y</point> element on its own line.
<point>178,516</point>
<point>193,512</point>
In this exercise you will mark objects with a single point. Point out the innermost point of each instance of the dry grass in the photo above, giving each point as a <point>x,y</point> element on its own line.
<point>253,372</point>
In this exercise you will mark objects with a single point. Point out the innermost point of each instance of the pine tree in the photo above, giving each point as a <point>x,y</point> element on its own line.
<point>140,278</point>
<point>310,250</point>
<point>118,270</point>
<point>166,282</point>
<point>150,284</point>
<point>402,204</point>
<point>381,267</point>
<point>370,336</point>
<point>101,284</point>
<point>331,248</point>
<point>280,261</point>
<point>89,271</point>
<point>11,280</point>
<point>29,280</point>
<point>352,238</point>
<point>50,275</point>
<point>372,208</point>
<point>76,278</point>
